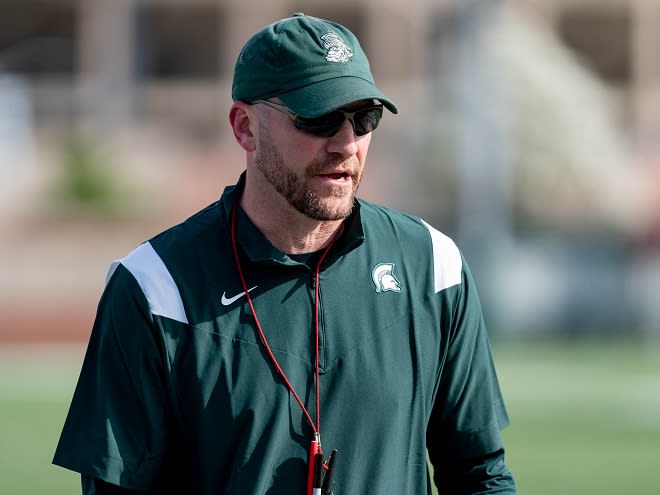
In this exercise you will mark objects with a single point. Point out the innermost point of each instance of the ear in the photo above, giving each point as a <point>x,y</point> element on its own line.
<point>242,122</point>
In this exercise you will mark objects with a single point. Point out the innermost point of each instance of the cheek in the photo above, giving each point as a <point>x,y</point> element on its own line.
<point>301,150</point>
<point>363,148</point>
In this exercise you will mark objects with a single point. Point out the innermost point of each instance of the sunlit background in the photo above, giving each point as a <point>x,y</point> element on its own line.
<point>529,131</point>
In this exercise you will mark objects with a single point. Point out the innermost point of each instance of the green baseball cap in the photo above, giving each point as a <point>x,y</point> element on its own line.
<point>312,65</point>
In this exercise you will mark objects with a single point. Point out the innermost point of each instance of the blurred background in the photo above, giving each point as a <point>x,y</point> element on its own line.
<point>529,131</point>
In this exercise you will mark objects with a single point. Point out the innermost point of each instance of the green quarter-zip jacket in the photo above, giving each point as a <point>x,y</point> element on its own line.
<point>177,391</point>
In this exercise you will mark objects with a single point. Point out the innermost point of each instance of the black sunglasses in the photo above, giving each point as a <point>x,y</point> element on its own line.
<point>363,120</point>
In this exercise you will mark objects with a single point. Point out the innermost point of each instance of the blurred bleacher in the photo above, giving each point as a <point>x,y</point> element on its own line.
<point>528,131</point>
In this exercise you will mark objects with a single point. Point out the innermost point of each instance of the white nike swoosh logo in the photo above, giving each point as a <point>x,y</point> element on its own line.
<point>226,301</point>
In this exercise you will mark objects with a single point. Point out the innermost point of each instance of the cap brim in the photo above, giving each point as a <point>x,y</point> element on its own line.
<point>326,96</point>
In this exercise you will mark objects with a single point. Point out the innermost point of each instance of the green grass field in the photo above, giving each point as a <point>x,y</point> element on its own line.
<point>585,417</point>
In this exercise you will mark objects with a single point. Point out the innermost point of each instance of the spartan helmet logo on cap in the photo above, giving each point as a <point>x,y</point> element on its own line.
<point>384,279</point>
<point>338,51</point>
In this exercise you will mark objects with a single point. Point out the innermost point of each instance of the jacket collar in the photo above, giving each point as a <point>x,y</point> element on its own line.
<point>259,249</point>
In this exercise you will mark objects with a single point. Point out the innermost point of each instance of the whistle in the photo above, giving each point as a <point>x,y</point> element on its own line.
<point>314,463</point>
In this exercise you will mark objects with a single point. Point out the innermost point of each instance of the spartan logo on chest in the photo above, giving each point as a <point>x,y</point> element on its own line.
<point>384,279</point>
<point>338,51</point>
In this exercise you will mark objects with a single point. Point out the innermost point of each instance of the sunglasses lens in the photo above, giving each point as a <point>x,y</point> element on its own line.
<point>367,120</point>
<point>325,126</point>
<point>364,121</point>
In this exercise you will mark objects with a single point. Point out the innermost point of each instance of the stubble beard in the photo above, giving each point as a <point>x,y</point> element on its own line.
<point>296,189</point>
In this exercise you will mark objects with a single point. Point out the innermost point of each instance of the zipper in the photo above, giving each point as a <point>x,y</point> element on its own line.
<point>323,350</point>
<point>322,333</point>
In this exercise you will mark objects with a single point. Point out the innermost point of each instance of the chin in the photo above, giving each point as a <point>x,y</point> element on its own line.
<point>336,212</point>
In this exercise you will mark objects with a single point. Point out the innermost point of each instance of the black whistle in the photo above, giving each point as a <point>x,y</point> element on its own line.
<point>326,487</point>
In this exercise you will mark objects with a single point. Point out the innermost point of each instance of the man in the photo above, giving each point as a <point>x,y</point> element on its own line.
<point>235,352</point>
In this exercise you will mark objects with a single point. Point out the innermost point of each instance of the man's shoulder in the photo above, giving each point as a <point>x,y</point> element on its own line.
<point>375,212</point>
<point>177,264</point>
<point>196,231</point>
<point>179,244</point>
<point>413,235</point>
<point>378,216</point>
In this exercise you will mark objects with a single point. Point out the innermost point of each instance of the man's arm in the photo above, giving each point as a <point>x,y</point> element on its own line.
<point>482,475</point>
<point>119,426</point>
<point>463,433</point>
<point>95,486</point>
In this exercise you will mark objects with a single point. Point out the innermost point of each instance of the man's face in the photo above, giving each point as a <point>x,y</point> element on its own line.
<point>318,176</point>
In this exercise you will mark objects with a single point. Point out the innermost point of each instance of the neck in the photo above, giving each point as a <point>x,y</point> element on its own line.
<point>285,227</point>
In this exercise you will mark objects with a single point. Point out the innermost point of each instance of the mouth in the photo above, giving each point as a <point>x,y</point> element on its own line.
<point>337,176</point>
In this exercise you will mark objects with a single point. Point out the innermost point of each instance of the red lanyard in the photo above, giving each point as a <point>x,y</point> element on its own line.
<point>315,427</point>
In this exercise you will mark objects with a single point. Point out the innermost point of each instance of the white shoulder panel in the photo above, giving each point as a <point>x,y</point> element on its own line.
<point>155,280</point>
<point>447,261</point>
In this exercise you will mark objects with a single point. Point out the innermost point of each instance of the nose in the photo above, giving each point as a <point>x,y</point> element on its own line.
<point>344,141</point>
